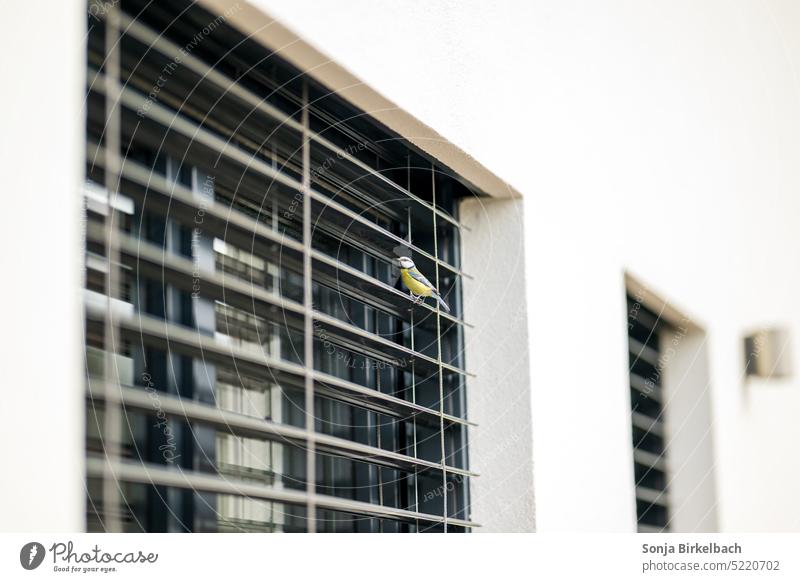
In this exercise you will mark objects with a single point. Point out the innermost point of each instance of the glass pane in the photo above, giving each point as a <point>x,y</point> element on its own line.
<point>155,508</point>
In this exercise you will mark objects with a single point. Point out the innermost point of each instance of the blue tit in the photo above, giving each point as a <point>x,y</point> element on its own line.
<point>418,285</point>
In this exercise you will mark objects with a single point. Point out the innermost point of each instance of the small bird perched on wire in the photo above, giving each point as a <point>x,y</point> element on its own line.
<point>417,284</point>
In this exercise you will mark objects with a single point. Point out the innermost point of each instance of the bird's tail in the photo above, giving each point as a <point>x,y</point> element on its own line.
<point>442,303</point>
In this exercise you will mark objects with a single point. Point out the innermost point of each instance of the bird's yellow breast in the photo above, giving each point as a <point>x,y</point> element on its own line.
<point>413,285</point>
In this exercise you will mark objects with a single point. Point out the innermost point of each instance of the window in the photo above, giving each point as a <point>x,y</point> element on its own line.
<point>645,330</point>
<point>252,363</point>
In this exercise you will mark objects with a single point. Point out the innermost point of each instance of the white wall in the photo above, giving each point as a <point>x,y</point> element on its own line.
<point>650,136</point>
<point>499,397</point>
<point>41,417</point>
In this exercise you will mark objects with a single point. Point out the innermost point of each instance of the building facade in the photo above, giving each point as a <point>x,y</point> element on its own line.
<point>231,184</point>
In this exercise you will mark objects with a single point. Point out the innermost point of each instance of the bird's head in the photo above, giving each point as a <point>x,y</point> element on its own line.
<point>405,263</point>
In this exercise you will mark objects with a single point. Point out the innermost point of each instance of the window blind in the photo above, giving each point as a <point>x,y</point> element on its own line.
<point>645,331</point>
<point>252,363</point>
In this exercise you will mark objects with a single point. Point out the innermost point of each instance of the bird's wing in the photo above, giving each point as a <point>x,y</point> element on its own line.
<point>417,276</point>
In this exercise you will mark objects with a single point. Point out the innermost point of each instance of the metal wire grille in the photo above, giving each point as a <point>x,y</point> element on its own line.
<point>252,364</point>
<point>645,330</point>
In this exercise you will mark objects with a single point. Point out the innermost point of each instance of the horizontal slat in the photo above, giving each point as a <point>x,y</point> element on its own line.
<point>333,325</point>
<point>169,267</point>
<point>401,407</point>
<point>158,475</point>
<point>640,384</point>
<point>158,42</point>
<point>250,297</point>
<point>354,226</point>
<point>376,234</point>
<point>360,172</point>
<point>240,229</point>
<point>647,423</point>
<point>653,496</point>
<point>168,118</point>
<point>643,352</point>
<point>643,316</point>
<point>220,219</point>
<point>376,292</point>
<point>140,326</point>
<point>650,459</point>
<point>248,426</point>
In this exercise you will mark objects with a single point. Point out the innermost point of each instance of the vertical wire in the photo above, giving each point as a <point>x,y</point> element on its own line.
<point>367,370</point>
<point>457,300</point>
<point>413,369</point>
<point>377,468</point>
<point>112,429</point>
<point>311,479</point>
<point>439,346</point>
<point>414,420</point>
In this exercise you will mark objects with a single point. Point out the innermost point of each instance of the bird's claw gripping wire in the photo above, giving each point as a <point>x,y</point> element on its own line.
<point>416,299</point>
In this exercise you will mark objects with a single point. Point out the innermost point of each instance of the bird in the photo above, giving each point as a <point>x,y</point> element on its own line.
<point>417,284</point>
